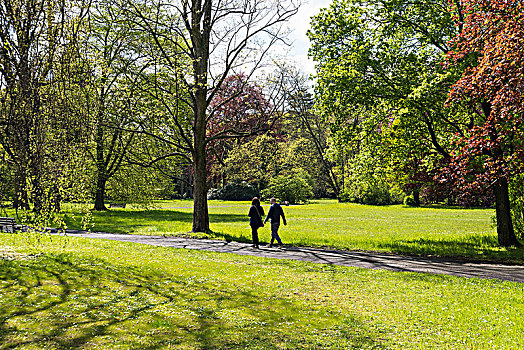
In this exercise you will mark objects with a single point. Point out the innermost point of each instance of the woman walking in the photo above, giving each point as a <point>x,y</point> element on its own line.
<point>255,219</point>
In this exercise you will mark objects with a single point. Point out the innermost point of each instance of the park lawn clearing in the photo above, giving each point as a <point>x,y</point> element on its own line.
<point>64,292</point>
<point>447,232</point>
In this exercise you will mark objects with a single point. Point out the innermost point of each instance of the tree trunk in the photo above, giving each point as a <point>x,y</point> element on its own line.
<point>100,194</point>
<point>201,26</point>
<point>21,200</point>
<point>101,164</point>
<point>505,232</point>
<point>37,188</point>
<point>200,210</point>
<point>416,197</point>
<point>57,199</point>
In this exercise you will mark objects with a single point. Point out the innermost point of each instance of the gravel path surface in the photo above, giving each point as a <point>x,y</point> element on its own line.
<point>369,260</point>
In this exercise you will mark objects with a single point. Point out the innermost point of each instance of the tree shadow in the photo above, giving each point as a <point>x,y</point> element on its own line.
<point>59,301</point>
<point>448,207</point>
<point>122,221</point>
<point>233,238</point>
<point>474,248</point>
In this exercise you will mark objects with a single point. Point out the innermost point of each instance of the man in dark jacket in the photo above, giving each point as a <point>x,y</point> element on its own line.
<point>274,214</point>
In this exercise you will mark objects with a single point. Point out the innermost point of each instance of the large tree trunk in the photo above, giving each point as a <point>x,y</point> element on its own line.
<point>505,232</point>
<point>21,200</point>
<point>37,179</point>
<point>200,211</point>
<point>200,34</point>
<point>416,197</point>
<point>100,194</point>
<point>101,175</point>
<point>101,164</point>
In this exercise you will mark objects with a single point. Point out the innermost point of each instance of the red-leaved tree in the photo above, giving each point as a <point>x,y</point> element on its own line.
<point>492,39</point>
<point>241,111</point>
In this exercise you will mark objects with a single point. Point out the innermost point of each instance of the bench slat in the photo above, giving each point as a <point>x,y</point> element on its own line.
<point>9,224</point>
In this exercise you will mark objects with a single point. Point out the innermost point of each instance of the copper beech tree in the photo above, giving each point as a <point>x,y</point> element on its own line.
<point>241,107</point>
<point>492,41</point>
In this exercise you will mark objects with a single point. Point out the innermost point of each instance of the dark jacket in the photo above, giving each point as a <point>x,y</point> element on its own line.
<point>255,219</point>
<point>274,213</point>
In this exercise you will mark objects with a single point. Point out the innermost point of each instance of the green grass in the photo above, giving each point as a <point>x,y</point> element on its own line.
<point>451,232</point>
<point>93,294</point>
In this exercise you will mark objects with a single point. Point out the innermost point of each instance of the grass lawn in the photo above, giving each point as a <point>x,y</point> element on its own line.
<point>91,294</point>
<point>327,223</point>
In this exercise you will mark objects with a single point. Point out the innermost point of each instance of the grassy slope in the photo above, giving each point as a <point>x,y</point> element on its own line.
<point>110,295</point>
<point>398,229</point>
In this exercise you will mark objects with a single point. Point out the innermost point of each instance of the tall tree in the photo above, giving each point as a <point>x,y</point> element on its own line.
<point>379,64</point>
<point>242,106</point>
<point>492,40</point>
<point>310,124</point>
<point>110,50</point>
<point>35,58</point>
<point>209,41</point>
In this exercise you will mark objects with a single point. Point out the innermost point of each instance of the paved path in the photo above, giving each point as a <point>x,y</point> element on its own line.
<point>368,260</point>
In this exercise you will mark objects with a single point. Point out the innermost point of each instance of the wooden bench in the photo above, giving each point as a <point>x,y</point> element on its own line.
<point>9,225</point>
<point>117,205</point>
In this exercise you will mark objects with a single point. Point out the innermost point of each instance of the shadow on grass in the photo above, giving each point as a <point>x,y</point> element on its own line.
<point>233,238</point>
<point>65,302</point>
<point>479,248</point>
<point>122,221</point>
<point>448,207</point>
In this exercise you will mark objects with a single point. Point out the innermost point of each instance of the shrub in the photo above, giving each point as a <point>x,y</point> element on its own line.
<point>367,192</point>
<point>292,188</point>
<point>410,201</point>
<point>234,191</point>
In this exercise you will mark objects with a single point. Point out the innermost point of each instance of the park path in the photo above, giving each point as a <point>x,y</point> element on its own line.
<point>369,260</point>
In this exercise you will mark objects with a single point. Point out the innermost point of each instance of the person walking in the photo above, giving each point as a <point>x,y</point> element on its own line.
<point>255,219</point>
<point>274,214</point>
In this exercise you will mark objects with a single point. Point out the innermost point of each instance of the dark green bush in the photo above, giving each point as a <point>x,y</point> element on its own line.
<point>367,192</point>
<point>234,191</point>
<point>292,188</point>
<point>410,201</point>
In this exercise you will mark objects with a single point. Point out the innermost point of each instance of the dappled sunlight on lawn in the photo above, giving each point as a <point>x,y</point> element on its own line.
<point>79,293</point>
<point>433,230</point>
<point>64,301</point>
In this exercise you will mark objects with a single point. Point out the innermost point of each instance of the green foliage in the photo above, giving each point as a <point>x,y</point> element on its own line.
<point>516,197</point>
<point>371,191</point>
<point>253,161</point>
<point>293,188</point>
<point>133,184</point>
<point>381,83</point>
<point>367,175</point>
<point>264,158</point>
<point>410,201</point>
<point>234,191</point>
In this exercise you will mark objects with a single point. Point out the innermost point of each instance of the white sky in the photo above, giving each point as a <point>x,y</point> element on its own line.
<point>299,24</point>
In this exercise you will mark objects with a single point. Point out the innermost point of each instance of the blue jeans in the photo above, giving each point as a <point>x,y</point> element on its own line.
<point>274,232</point>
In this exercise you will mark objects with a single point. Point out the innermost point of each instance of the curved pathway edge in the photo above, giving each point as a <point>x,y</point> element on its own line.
<point>369,260</point>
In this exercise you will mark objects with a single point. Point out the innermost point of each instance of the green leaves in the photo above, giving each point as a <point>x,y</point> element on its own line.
<point>380,68</point>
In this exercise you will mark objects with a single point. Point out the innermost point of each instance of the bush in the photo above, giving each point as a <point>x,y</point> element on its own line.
<point>367,192</point>
<point>410,201</point>
<point>234,191</point>
<point>292,188</point>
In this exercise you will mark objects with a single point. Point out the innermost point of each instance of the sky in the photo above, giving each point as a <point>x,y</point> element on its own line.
<point>299,24</point>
